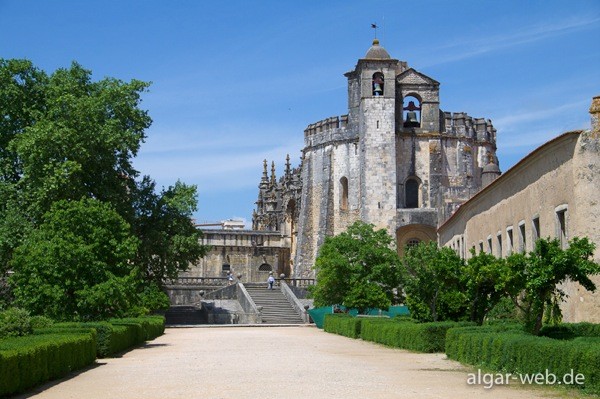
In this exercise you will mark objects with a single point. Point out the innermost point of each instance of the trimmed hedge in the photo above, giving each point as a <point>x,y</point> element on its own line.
<point>398,333</point>
<point>343,324</point>
<point>54,351</point>
<point>571,330</point>
<point>150,327</point>
<point>514,351</point>
<point>32,360</point>
<point>104,331</point>
<point>118,335</point>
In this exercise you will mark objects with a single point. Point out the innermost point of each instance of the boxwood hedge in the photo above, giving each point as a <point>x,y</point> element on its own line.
<point>118,335</point>
<point>420,337</point>
<point>63,347</point>
<point>515,351</point>
<point>398,332</point>
<point>31,360</point>
<point>343,324</point>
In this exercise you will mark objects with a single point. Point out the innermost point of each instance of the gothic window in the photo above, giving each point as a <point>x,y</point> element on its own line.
<point>412,193</point>
<point>378,82</point>
<point>411,112</point>
<point>226,267</point>
<point>344,194</point>
<point>265,267</point>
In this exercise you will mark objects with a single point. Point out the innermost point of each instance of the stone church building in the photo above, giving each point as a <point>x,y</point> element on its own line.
<point>398,161</point>
<point>395,160</point>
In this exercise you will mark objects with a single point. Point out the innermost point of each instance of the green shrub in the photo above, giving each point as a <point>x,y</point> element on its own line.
<point>571,330</point>
<point>515,351</point>
<point>15,322</point>
<point>141,329</point>
<point>104,334</point>
<point>41,322</point>
<point>343,324</point>
<point>399,333</point>
<point>32,360</point>
<point>119,335</point>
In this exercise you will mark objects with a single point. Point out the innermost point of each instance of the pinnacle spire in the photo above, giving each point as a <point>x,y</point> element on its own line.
<point>273,178</point>
<point>288,167</point>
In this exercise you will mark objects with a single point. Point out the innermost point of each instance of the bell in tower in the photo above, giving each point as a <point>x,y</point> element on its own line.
<point>411,116</point>
<point>378,84</point>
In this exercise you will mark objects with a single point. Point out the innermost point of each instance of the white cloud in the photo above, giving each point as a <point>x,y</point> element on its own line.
<point>515,121</point>
<point>466,48</point>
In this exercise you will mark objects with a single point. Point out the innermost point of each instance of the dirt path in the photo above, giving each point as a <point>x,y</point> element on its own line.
<point>276,362</point>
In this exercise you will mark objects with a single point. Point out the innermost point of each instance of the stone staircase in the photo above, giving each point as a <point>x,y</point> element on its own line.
<point>275,307</point>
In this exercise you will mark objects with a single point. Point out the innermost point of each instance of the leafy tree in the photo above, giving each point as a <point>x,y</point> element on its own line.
<point>358,269</point>
<point>81,142</point>
<point>532,281</point>
<point>481,277</point>
<point>79,252</point>
<point>433,283</point>
<point>64,136</point>
<point>163,222</point>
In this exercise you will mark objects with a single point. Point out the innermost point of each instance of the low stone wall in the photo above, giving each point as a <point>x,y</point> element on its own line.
<point>293,300</point>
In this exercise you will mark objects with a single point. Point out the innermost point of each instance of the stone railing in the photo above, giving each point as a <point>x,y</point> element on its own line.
<point>251,311</point>
<point>222,282</point>
<point>299,282</point>
<point>198,281</point>
<point>293,300</point>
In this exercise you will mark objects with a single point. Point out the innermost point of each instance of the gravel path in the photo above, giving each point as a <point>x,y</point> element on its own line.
<point>271,362</point>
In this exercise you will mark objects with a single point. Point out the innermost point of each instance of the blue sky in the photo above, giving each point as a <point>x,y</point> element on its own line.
<point>235,82</point>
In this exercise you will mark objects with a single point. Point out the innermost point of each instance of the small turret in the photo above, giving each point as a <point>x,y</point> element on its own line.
<point>490,172</point>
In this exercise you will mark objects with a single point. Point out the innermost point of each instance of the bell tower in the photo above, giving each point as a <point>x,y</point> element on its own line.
<point>372,106</point>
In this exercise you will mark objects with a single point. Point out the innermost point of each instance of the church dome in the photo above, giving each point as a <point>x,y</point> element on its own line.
<point>376,52</point>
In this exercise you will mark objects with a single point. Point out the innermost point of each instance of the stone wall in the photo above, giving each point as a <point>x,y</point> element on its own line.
<point>553,192</point>
<point>244,252</point>
<point>377,154</point>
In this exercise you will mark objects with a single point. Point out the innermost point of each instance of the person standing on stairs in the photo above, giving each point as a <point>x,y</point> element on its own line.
<point>270,281</point>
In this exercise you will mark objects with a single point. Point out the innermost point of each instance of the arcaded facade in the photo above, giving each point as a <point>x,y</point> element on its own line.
<point>553,192</point>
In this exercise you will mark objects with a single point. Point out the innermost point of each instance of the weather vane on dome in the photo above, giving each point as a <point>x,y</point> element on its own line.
<point>374,26</point>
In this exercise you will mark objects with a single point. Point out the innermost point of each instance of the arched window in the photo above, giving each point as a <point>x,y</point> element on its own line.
<point>412,193</point>
<point>265,267</point>
<point>378,82</point>
<point>412,112</point>
<point>344,194</point>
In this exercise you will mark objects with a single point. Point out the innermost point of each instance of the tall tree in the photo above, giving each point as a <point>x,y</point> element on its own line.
<point>433,283</point>
<point>533,280</point>
<point>78,247</point>
<point>65,137</point>
<point>481,278</point>
<point>358,269</point>
<point>163,222</point>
